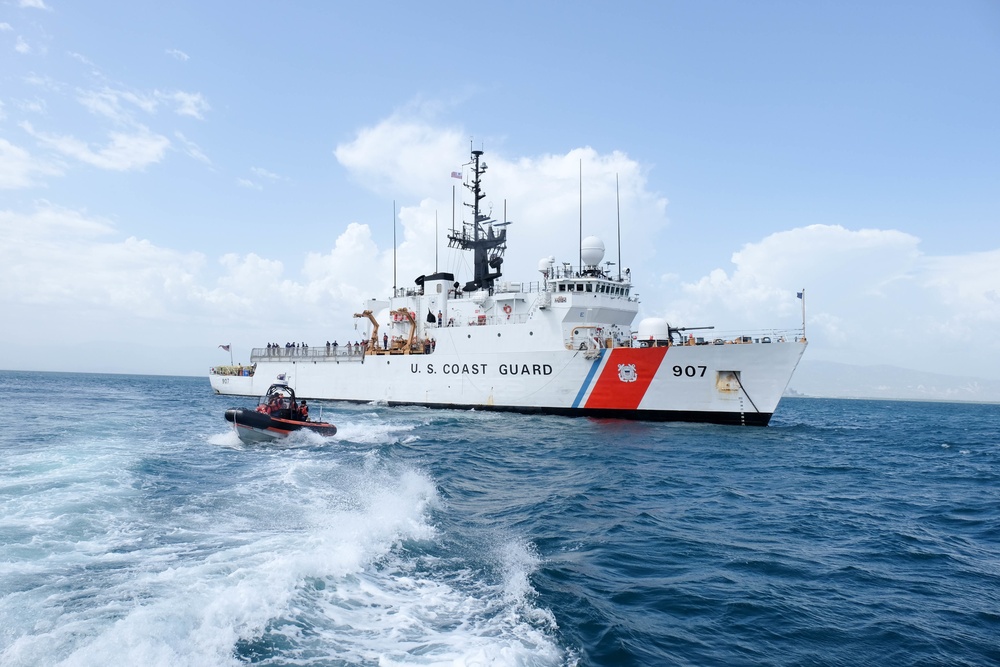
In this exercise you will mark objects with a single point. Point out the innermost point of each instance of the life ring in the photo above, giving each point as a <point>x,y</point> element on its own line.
<point>507,309</point>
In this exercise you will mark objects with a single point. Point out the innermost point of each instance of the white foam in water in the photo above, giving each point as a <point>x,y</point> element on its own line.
<point>403,618</point>
<point>302,555</point>
<point>374,432</point>
<point>228,439</point>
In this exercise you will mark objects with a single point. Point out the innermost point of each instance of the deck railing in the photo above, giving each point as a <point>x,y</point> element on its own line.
<point>315,353</point>
<point>346,354</point>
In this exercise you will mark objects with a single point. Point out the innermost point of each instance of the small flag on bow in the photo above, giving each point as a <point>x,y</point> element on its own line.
<point>225,347</point>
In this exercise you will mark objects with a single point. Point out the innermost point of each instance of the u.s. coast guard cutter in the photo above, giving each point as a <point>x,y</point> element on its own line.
<point>561,345</point>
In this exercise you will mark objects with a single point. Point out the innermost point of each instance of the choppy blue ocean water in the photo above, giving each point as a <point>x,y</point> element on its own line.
<point>137,530</point>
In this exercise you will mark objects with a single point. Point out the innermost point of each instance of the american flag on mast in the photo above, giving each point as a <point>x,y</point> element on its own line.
<point>456,174</point>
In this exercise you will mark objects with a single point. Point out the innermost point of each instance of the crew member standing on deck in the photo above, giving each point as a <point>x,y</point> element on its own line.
<point>385,341</point>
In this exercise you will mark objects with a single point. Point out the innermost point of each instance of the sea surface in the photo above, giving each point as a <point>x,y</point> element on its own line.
<point>137,530</point>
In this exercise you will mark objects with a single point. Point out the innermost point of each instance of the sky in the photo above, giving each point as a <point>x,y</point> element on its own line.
<point>177,176</point>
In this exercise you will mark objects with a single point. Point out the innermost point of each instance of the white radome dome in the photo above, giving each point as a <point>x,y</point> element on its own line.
<point>653,328</point>
<point>592,251</point>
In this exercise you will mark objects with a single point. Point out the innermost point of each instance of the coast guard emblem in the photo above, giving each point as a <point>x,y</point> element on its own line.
<point>626,373</point>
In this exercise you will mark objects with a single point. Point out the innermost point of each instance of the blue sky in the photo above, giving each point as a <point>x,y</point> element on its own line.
<point>178,175</point>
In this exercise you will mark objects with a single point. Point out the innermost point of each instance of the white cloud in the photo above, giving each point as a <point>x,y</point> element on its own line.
<point>259,173</point>
<point>73,263</point>
<point>34,4</point>
<point>192,149</point>
<point>264,173</point>
<point>351,272</point>
<point>118,105</point>
<point>82,58</point>
<point>5,27</point>
<point>252,279</point>
<point>866,263</point>
<point>402,157</point>
<point>18,169</point>
<point>45,82</point>
<point>108,103</point>
<point>79,280</point>
<point>187,104</point>
<point>968,286</point>
<point>872,297</point>
<point>36,106</point>
<point>124,151</point>
<point>248,184</point>
<point>59,257</point>
<point>21,46</point>
<point>178,54</point>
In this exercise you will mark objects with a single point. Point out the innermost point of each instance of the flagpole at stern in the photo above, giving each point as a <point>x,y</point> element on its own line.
<point>802,295</point>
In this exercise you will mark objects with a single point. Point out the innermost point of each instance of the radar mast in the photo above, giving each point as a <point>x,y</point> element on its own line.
<point>487,243</point>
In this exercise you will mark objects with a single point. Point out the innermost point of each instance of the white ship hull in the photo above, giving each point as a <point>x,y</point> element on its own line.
<point>729,383</point>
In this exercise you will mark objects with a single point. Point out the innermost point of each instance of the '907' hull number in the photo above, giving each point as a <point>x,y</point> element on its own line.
<point>690,371</point>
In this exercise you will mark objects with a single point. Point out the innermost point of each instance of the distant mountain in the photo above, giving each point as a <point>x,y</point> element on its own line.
<point>826,379</point>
